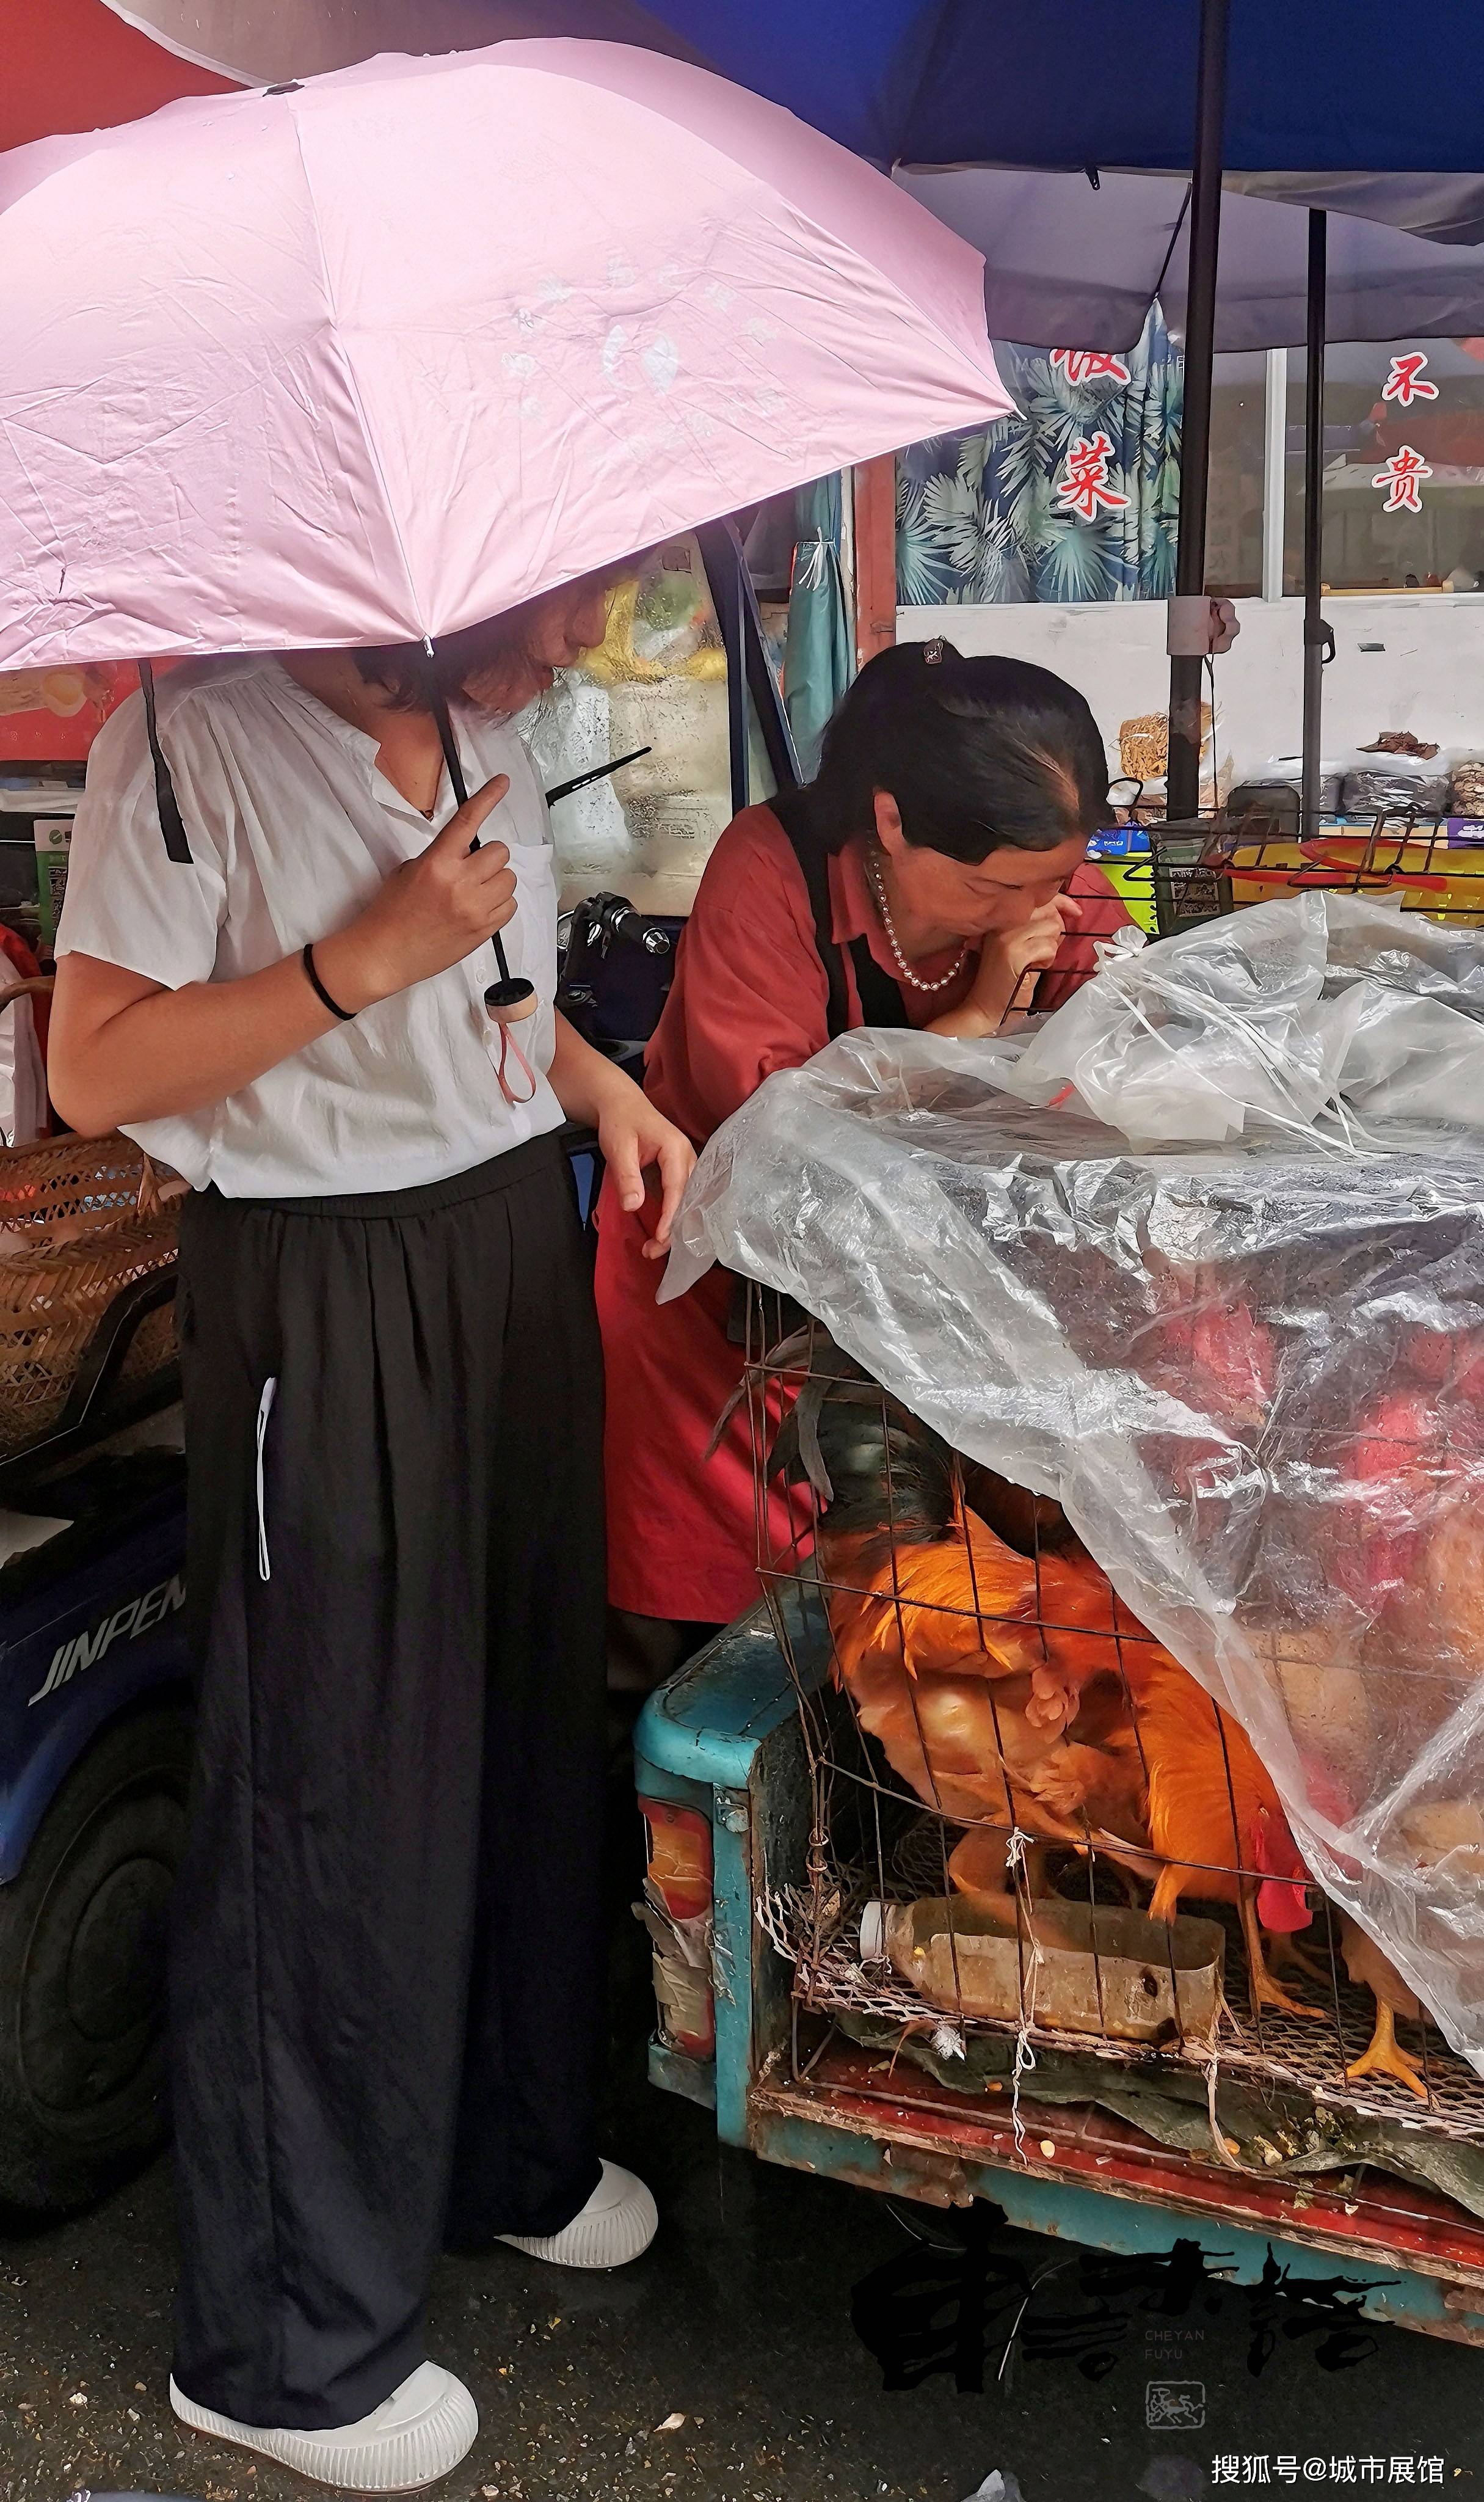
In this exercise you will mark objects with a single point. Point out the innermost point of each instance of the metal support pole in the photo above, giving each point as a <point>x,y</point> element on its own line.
<point>873,499</point>
<point>1274,472</point>
<point>1184,783</point>
<point>1318,637</point>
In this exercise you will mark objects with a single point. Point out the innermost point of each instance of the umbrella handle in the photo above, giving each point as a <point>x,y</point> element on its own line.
<point>512,997</point>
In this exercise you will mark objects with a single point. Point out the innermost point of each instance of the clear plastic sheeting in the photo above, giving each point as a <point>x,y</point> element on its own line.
<point>1271,1020</point>
<point>1248,1359</point>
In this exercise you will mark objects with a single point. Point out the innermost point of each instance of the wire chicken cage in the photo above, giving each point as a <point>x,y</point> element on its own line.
<point>1032,1831</point>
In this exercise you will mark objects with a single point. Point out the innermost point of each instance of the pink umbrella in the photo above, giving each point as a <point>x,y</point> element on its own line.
<point>374,357</point>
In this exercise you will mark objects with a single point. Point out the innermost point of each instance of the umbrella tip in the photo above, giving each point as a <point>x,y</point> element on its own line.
<point>289,86</point>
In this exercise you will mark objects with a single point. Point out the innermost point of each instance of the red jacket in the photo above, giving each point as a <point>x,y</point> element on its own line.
<point>749,995</point>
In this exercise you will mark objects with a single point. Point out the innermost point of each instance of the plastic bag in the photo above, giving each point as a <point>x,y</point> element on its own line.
<point>23,1110</point>
<point>1411,1059</point>
<point>1282,776</point>
<point>1393,787</point>
<point>1250,1365</point>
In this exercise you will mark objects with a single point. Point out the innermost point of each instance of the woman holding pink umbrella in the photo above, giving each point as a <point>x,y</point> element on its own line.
<point>387,1982</point>
<point>319,404</point>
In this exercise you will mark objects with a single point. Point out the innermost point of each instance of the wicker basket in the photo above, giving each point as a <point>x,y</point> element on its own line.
<point>80,1222</point>
<point>1143,744</point>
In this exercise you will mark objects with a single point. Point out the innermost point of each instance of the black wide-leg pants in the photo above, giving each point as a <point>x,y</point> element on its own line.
<point>387,1965</point>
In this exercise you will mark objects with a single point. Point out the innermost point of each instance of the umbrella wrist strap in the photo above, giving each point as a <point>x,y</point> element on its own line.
<point>171,823</point>
<point>511,1049</point>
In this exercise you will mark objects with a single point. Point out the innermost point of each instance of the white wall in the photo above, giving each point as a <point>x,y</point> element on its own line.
<point>1427,674</point>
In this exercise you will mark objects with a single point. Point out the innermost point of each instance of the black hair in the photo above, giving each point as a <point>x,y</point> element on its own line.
<point>978,754</point>
<point>408,675</point>
<point>498,645</point>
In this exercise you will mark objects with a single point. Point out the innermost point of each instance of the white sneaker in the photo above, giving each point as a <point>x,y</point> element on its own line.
<point>617,2224</point>
<point>417,2435</point>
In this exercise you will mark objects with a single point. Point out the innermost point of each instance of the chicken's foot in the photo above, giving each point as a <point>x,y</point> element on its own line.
<point>1284,1955</point>
<point>1386,2057</point>
<point>1266,1990</point>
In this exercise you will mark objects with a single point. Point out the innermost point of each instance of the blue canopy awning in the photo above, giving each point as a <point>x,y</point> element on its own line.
<point>1328,85</point>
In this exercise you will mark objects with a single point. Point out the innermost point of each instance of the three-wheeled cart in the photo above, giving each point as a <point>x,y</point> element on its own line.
<point>724,1787</point>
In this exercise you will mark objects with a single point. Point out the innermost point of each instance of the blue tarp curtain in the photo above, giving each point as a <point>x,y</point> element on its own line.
<point>817,662</point>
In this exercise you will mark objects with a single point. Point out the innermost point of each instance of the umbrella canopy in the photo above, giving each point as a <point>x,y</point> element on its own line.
<point>1311,106</point>
<point>383,355</point>
<point>1068,265</point>
<point>1340,83</point>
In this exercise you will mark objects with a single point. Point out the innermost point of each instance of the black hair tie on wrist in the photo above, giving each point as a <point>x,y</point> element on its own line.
<point>346,1015</point>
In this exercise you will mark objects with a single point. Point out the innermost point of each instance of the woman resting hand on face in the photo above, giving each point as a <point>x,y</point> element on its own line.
<point>934,875</point>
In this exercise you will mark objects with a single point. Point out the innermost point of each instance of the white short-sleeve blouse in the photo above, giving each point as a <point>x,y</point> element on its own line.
<point>291,830</point>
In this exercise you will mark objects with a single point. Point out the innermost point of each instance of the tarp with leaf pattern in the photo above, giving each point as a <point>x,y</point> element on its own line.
<point>978,516</point>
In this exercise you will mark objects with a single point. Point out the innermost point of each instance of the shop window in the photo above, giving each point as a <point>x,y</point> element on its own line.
<point>658,680</point>
<point>1234,494</point>
<point>1433,538</point>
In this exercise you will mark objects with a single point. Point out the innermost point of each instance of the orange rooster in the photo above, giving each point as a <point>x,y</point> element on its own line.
<point>967,1603</point>
<point>1215,1819</point>
<point>1141,1765</point>
<point>1013,1690</point>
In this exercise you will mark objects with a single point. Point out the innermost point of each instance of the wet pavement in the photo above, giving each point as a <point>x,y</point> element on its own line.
<point>739,2323</point>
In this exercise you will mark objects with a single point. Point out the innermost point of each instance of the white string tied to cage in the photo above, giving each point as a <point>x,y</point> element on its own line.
<point>1218,2134</point>
<point>1025,2057</point>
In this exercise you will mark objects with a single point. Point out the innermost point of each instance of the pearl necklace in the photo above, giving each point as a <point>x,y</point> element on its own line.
<point>879,891</point>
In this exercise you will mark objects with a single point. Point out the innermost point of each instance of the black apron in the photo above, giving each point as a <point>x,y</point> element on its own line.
<point>881,1003</point>
<point>881,1000</point>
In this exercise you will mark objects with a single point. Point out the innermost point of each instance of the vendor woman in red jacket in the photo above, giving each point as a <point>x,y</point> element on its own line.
<point>934,876</point>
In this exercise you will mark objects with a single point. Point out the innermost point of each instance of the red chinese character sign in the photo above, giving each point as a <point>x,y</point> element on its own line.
<point>1403,383</point>
<point>1084,483</point>
<point>1402,476</point>
<point>1087,365</point>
